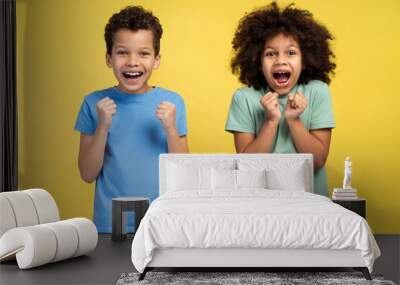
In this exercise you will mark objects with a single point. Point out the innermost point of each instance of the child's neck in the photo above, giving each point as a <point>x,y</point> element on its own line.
<point>142,90</point>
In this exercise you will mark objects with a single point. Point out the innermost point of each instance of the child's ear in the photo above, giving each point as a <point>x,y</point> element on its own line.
<point>157,61</point>
<point>108,60</point>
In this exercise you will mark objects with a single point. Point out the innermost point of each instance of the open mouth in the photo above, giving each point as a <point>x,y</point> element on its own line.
<point>132,74</point>
<point>281,78</point>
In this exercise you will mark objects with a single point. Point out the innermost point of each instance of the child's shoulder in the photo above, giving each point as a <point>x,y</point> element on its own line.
<point>97,95</point>
<point>169,95</point>
<point>317,92</point>
<point>166,92</point>
<point>247,92</point>
<point>246,95</point>
<point>316,86</point>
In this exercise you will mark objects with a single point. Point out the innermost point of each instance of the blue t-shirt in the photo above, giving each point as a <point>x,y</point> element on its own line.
<point>135,140</point>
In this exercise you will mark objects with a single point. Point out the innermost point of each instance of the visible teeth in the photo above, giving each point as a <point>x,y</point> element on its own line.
<point>132,73</point>
<point>281,73</point>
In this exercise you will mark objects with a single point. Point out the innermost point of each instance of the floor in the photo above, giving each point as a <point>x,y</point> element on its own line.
<point>102,266</point>
<point>389,262</point>
<point>111,259</point>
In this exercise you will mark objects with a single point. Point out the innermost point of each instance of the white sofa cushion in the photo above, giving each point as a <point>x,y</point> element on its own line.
<point>40,244</point>
<point>26,208</point>
<point>7,220</point>
<point>67,240</point>
<point>87,234</point>
<point>23,208</point>
<point>34,244</point>
<point>45,206</point>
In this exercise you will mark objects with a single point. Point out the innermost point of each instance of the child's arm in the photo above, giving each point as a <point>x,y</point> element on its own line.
<point>263,142</point>
<point>316,142</point>
<point>91,149</point>
<point>166,113</point>
<point>177,144</point>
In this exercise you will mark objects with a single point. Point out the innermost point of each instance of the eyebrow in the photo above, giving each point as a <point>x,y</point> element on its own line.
<point>290,46</point>
<point>122,46</point>
<point>119,46</point>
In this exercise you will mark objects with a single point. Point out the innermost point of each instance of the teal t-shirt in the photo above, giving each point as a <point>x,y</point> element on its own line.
<point>247,115</point>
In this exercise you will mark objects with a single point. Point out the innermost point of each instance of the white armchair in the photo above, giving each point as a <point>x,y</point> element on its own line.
<point>31,230</point>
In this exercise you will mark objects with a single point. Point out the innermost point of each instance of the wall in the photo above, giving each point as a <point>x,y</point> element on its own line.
<point>61,55</point>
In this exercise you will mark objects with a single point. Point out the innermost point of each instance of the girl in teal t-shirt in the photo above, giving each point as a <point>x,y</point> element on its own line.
<point>284,57</point>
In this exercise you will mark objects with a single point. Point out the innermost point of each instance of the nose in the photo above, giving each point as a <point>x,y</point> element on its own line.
<point>281,59</point>
<point>132,60</point>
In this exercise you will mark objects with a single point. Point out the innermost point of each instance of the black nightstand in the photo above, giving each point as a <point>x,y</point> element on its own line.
<point>120,207</point>
<point>358,205</point>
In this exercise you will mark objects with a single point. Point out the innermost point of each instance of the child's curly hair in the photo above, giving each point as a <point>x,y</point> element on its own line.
<point>133,18</point>
<point>262,24</point>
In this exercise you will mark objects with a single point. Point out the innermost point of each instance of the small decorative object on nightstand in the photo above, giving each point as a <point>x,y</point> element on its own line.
<point>120,207</point>
<point>347,192</point>
<point>347,173</point>
<point>347,196</point>
<point>357,205</point>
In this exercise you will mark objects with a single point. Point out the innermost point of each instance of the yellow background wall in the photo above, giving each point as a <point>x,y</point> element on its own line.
<point>61,55</point>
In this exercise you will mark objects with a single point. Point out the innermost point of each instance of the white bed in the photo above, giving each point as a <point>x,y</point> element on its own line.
<point>230,211</point>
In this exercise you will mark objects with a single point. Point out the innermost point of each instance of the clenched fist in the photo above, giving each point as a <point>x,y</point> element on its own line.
<point>295,106</point>
<point>271,105</point>
<point>105,109</point>
<point>166,113</point>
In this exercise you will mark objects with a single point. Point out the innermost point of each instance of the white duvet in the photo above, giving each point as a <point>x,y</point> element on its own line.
<point>253,218</point>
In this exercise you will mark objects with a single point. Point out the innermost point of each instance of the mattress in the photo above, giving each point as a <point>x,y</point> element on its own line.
<point>250,219</point>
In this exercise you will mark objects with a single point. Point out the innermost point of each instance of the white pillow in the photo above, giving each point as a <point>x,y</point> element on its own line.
<point>251,178</point>
<point>293,179</point>
<point>236,179</point>
<point>223,179</point>
<point>188,177</point>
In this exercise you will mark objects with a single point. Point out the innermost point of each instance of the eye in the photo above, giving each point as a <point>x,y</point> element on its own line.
<point>144,53</point>
<point>292,52</point>
<point>122,52</point>
<point>269,54</point>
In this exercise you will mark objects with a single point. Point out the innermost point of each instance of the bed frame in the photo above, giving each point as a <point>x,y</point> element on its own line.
<point>249,258</point>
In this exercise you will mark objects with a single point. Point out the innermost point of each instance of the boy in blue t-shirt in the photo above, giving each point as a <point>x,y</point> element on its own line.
<point>125,128</point>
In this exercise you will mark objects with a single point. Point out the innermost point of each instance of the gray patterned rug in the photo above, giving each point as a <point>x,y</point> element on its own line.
<point>244,278</point>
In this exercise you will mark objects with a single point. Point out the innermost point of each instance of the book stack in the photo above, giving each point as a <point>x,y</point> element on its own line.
<point>344,194</point>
